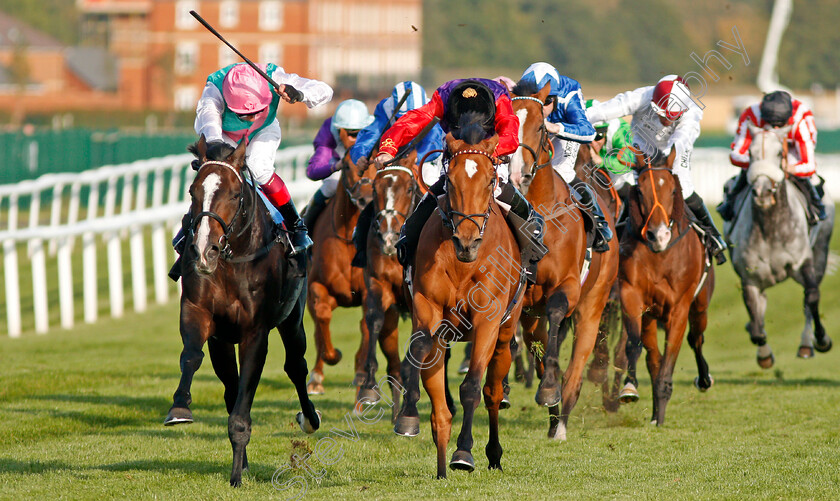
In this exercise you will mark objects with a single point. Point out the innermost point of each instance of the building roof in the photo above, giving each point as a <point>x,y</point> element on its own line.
<point>95,66</point>
<point>13,30</point>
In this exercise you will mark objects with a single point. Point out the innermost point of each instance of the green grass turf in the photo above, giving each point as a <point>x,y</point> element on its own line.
<point>81,414</point>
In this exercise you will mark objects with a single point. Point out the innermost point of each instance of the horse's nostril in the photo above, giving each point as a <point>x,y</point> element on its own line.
<point>650,235</point>
<point>194,249</point>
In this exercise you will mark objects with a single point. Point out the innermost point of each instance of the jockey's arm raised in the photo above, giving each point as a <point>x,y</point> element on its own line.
<point>621,105</point>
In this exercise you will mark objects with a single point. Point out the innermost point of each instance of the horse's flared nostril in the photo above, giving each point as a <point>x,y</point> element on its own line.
<point>212,252</point>
<point>650,235</point>
<point>194,249</point>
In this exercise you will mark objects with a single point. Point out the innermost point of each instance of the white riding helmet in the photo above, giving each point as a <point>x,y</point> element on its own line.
<point>351,114</point>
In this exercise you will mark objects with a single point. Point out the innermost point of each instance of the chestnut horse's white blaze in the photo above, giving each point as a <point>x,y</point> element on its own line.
<point>211,185</point>
<point>517,161</point>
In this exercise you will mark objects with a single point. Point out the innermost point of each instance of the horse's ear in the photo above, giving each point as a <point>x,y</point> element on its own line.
<point>489,144</point>
<point>641,161</point>
<point>237,158</point>
<point>452,143</point>
<point>543,93</point>
<point>411,159</point>
<point>669,162</point>
<point>201,148</point>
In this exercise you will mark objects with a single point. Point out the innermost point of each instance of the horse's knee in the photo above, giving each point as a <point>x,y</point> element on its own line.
<point>191,359</point>
<point>239,430</point>
<point>812,296</point>
<point>470,391</point>
<point>664,388</point>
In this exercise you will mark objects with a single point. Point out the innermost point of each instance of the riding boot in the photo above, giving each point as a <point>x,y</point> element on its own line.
<point>360,236</point>
<point>698,208</point>
<point>311,212</point>
<point>530,229</point>
<point>726,209</point>
<point>585,199</point>
<point>297,229</point>
<point>179,243</point>
<point>816,207</point>
<point>410,231</point>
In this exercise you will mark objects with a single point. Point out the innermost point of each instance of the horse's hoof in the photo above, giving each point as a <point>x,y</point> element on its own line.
<point>505,403</point>
<point>822,347</point>
<point>703,387</point>
<point>548,396</point>
<point>368,396</point>
<point>332,358</point>
<point>462,460</point>
<point>628,394</point>
<point>766,362</point>
<point>359,379</point>
<point>464,367</point>
<point>407,426</point>
<point>178,415</point>
<point>558,432</point>
<point>315,386</point>
<point>236,483</point>
<point>305,425</point>
<point>805,352</point>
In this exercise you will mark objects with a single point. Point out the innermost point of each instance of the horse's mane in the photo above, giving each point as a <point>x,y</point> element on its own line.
<point>525,88</point>
<point>216,150</point>
<point>470,127</point>
<point>765,168</point>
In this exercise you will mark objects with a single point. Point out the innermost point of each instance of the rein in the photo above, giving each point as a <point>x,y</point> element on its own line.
<point>543,145</point>
<point>447,216</point>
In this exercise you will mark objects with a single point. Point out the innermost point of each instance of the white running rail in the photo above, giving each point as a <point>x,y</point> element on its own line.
<point>118,203</point>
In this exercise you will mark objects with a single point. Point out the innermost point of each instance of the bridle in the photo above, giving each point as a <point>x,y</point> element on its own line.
<point>241,211</point>
<point>543,145</point>
<point>383,213</point>
<point>449,215</point>
<point>353,190</point>
<point>656,203</point>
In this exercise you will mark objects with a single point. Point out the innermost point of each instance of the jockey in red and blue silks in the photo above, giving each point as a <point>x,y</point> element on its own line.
<point>565,119</point>
<point>778,109</point>
<point>665,117</point>
<point>336,135</point>
<point>238,104</point>
<point>488,103</point>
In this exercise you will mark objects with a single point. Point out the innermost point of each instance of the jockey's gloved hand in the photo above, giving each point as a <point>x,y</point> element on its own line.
<point>293,94</point>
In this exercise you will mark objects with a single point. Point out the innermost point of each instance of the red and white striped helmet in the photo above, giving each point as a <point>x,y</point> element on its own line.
<point>670,97</point>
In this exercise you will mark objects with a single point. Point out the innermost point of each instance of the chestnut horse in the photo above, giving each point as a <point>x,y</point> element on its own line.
<point>561,289</point>
<point>395,195</point>
<point>461,291</point>
<point>666,277</point>
<point>236,287</point>
<point>332,281</point>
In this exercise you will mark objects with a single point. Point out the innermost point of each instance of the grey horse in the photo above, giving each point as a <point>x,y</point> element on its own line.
<point>770,241</point>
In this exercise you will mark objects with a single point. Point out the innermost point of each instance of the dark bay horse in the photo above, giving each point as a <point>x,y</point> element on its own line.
<point>771,242</point>
<point>396,194</point>
<point>567,285</point>
<point>332,281</point>
<point>667,278</point>
<point>465,278</point>
<point>236,287</point>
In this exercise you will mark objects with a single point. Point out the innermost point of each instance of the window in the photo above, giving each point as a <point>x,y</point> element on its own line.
<point>270,53</point>
<point>271,15</point>
<point>186,57</point>
<point>228,14</point>
<point>186,98</point>
<point>227,56</point>
<point>183,19</point>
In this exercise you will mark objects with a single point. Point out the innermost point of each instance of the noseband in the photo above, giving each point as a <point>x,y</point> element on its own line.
<point>449,215</point>
<point>543,145</point>
<point>224,240</point>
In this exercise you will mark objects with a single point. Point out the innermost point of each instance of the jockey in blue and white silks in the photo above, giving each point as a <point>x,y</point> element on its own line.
<point>567,120</point>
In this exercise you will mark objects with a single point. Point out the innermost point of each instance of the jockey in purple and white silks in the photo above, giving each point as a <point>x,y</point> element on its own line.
<point>565,119</point>
<point>336,135</point>
<point>665,117</point>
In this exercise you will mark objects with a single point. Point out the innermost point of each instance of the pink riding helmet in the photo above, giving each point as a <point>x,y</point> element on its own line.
<point>245,91</point>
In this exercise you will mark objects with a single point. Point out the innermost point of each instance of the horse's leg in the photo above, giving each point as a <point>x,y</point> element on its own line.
<point>223,357</point>
<point>321,306</point>
<point>433,381</point>
<point>697,319</point>
<point>549,392</point>
<point>807,276</point>
<point>252,352</point>
<point>196,327</point>
<point>632,308</point>
<point>422,351</point>
<point>375,320</point>
<point>389,343</point>
<point>494,393</point>
<point>619,366</point>
<point>486,337</point>
<point>675,332</point>
<point>756,302</point>
<point>532,331</point>
<point>362,352</point>
<point>653,359</point>
<point>294,342</point>
<point>586,334</point>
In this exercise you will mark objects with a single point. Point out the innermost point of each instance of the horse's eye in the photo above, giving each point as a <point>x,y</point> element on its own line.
<point>235,196</point>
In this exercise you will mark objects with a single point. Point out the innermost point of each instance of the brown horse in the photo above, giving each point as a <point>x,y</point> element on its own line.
<point>561,289</point>
<point>611,330</point>
<point>236,287</point>
<point>332,281</point>
<point>667,278</point>
<point>395,194</point>
<point>462,290</point>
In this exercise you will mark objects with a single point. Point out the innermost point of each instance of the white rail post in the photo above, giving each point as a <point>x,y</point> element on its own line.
<point>39,268</point>
<point>138,254</point>
<point>89,273</point>
<point>65,282</point>
<point>10,270</point>
<point>55,214</point>
<point>115,281</point>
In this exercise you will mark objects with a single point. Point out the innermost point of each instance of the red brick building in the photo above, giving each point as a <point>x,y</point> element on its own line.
<point>360,47</point>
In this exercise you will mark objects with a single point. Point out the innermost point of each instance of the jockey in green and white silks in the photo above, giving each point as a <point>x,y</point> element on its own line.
<point>611,139</point>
